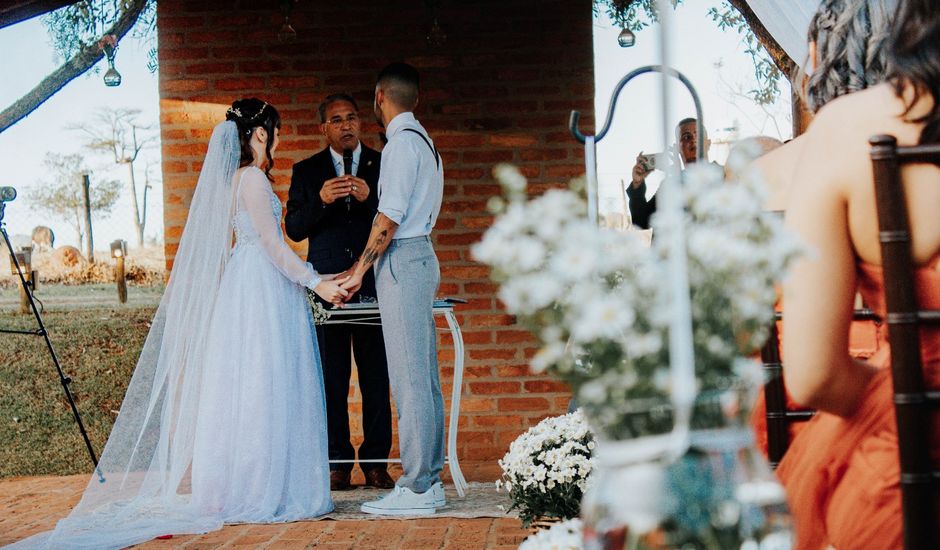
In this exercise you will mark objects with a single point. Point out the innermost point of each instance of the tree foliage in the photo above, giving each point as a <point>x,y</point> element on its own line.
<point>769,66</point>
<point>62,193</point>
<point>81,25</point>
<point>74,32</point>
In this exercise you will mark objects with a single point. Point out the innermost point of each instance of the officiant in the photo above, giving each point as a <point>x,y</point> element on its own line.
<point>332,202</point>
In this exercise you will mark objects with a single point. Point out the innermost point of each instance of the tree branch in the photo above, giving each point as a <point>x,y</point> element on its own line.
<point>85,59</point>
<point>777,54</point>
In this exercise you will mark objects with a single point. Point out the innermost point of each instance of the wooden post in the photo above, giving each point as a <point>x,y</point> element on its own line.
<point>86,200</point>
<point>120,279</point>
<point>24,299</point>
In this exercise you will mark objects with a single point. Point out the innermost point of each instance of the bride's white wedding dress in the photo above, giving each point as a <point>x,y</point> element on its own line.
<point>224,419</point>
<point>260,448</point>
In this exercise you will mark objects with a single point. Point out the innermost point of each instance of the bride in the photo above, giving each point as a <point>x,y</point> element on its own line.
<point>224,418</point>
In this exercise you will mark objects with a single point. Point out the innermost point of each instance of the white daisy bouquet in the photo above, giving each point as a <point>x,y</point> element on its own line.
<point>547,468</point>
<point>598,301</point>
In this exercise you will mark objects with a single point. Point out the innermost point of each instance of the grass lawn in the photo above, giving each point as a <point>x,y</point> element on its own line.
<point>97,341</point>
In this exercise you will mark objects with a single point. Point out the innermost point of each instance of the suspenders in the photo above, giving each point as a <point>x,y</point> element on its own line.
<point>437,157</point>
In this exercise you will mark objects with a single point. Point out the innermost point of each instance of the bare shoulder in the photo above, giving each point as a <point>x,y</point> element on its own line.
<point>837,139</point>
<point>858,116</point>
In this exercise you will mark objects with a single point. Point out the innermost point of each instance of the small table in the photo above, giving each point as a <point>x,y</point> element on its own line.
<point>368,314</point>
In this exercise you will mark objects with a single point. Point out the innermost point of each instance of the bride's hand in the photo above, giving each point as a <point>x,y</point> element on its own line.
<point>331,291</point>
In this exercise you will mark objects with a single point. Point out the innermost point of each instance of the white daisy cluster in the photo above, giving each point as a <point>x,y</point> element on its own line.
<point>547,468</point>
<point>566,535</point>
<point>598,299</point>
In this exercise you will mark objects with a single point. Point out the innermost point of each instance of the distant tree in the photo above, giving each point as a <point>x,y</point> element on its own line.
<point>771,62</point>
<point>62,194</point>
<point>118,133</point>
<point>80,33</point>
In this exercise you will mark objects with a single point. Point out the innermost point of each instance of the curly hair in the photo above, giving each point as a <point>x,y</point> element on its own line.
<point>915,61</point>
<point>248,114</point>
<point>851,39</point>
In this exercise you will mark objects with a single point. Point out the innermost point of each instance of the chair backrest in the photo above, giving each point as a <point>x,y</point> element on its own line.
<point>778,416</point>
<point>913,404</point>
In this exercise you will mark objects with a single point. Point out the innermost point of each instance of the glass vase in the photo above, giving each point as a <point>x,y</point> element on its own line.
<point>719,492</point>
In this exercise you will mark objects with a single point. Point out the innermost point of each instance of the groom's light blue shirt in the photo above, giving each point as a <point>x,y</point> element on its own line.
<point>411,180</point>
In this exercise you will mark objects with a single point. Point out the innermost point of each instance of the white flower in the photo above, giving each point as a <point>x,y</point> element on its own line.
<point>510,178</point>
<point>600,301</point>
<point>566,535</point>
<point>547,356</point>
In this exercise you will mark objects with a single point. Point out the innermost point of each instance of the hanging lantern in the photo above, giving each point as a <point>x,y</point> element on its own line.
<point>436,36</point>
<point>287,33</point>
<point>108,44</point>
<point>626,38</point>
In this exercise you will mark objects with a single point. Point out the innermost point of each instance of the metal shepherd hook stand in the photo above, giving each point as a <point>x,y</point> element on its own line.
<point>41,331</point>
<point>681,354</point>
<point>590,153</point>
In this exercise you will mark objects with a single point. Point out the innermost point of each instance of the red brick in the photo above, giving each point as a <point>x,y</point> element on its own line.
<point>195,85</point>
<point>459,141</point>
<point>489,157</point>
<point>240,84</point>
<point>459,238</point>
<point>482,354</point>
<point>495,388</point>
<point>522,404</point>
<point>567,170</point>
<point>513,140</point>
<point>492,320</point>
<point>545,386</point>
<point>514,336</point>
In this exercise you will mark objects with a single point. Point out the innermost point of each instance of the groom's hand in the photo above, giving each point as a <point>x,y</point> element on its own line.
<point>348,272</point>
<point>351,285</point>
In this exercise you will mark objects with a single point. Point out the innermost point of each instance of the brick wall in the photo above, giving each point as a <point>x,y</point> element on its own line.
<point>499,90</point>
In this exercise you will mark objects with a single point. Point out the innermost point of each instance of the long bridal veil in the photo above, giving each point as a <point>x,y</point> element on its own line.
<point>146,460</point>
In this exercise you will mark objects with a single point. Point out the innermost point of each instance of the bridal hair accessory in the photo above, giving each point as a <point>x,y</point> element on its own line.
<point>237,112</point>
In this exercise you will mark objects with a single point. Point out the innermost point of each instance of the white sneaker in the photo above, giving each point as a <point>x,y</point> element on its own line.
<point>438,491</point>
<point>402,501</point>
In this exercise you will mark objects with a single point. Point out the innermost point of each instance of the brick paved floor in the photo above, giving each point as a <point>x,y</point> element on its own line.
<point>31,505</point>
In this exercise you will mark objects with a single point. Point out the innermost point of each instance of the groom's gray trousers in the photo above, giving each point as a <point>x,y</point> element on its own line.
<point>406,279</point>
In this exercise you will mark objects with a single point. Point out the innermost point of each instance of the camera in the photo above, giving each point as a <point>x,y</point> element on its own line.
<point>655,160</point>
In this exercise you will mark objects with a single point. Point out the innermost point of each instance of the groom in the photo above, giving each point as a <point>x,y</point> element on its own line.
<point>332,202</point>
<point>411,186</point>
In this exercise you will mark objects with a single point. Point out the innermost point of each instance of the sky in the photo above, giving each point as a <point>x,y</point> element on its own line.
<point>24,145</point>
<point>636,126</point>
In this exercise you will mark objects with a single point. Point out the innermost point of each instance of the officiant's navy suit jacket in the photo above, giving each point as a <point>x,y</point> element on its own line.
<point>337,234</point>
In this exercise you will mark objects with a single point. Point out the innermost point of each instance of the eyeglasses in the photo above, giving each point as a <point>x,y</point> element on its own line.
<point>336,122</point>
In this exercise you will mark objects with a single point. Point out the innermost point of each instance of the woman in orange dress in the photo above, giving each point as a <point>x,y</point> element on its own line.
<point>848,53</point>
<point>841,473</point>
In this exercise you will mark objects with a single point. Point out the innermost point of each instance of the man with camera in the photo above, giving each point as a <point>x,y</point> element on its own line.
<point>332,202</point>
<point>641,208</point>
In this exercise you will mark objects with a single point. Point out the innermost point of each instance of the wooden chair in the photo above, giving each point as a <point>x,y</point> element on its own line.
<point>778,416</point>
<point>913,404</point>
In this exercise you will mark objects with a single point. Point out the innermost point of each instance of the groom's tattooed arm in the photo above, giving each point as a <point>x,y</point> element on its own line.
<point>383,230</point>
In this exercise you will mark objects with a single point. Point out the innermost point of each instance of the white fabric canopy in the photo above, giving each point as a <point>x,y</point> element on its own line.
<point>787,21</point>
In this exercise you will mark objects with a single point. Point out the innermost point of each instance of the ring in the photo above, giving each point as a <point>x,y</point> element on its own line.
<point>354,187</point>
